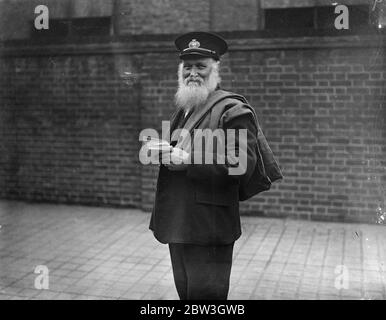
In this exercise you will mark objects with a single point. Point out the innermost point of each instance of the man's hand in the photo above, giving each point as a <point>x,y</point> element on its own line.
<point>176,160</point>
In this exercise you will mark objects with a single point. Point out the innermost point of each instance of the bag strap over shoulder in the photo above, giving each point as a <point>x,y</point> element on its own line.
<point>219,108</point>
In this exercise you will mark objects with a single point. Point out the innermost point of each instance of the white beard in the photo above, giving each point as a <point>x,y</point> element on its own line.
<point>195,94</point>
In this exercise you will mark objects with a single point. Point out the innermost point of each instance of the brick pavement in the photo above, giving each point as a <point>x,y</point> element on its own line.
<point>105,253</point>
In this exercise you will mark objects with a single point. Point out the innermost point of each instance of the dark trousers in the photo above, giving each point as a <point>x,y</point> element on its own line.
<point>201,272</point>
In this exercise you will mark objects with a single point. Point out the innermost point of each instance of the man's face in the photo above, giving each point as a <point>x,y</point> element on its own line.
<point>196,71</point>
<point>197,78</point>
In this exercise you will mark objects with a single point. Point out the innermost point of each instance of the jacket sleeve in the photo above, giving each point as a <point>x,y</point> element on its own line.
<point>236,118</point>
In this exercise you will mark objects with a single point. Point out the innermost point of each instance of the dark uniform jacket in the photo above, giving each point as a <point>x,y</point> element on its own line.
<point>200,205</point>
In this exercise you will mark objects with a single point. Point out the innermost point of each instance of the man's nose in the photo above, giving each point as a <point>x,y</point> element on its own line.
<point>193,72</point>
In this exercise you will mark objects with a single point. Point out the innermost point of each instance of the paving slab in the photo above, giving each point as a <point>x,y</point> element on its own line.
<point>108,253</point>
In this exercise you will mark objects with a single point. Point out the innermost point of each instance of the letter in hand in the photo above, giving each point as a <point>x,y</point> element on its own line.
<point>156,148</point>
<point>176,160</point>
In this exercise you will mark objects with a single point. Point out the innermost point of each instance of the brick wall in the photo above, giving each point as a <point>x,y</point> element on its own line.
<point>70,125</point>
<point>161,16</point>
<point>156,17</point>
<point>135,17</point>
<point>69,131</point>
<point>17,16</point>
<point>306,3</point>
<point>323,112</point>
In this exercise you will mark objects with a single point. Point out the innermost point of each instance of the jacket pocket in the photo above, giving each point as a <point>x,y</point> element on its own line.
<point>213,195</point>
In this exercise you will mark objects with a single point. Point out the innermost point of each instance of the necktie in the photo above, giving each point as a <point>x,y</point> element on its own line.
<point>184,118</point>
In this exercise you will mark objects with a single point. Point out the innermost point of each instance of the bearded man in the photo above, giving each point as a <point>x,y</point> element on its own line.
<point>196,209</point>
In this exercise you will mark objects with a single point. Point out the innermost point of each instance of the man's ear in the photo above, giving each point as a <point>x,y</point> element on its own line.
<point>179,71</point>
<point>216,63</point>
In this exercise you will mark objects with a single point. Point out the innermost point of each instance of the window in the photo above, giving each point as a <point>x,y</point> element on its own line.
<point>317,18</point>
<point>90,26</point>
<point>77,27</point>
<point>289,18</point>
<point>358,17</point>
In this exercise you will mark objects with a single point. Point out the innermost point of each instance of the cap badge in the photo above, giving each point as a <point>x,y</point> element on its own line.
<point>194,44</point>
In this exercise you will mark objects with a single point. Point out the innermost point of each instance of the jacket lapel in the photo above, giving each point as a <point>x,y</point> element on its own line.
<point>175,118</point>
<point>196,116</point>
